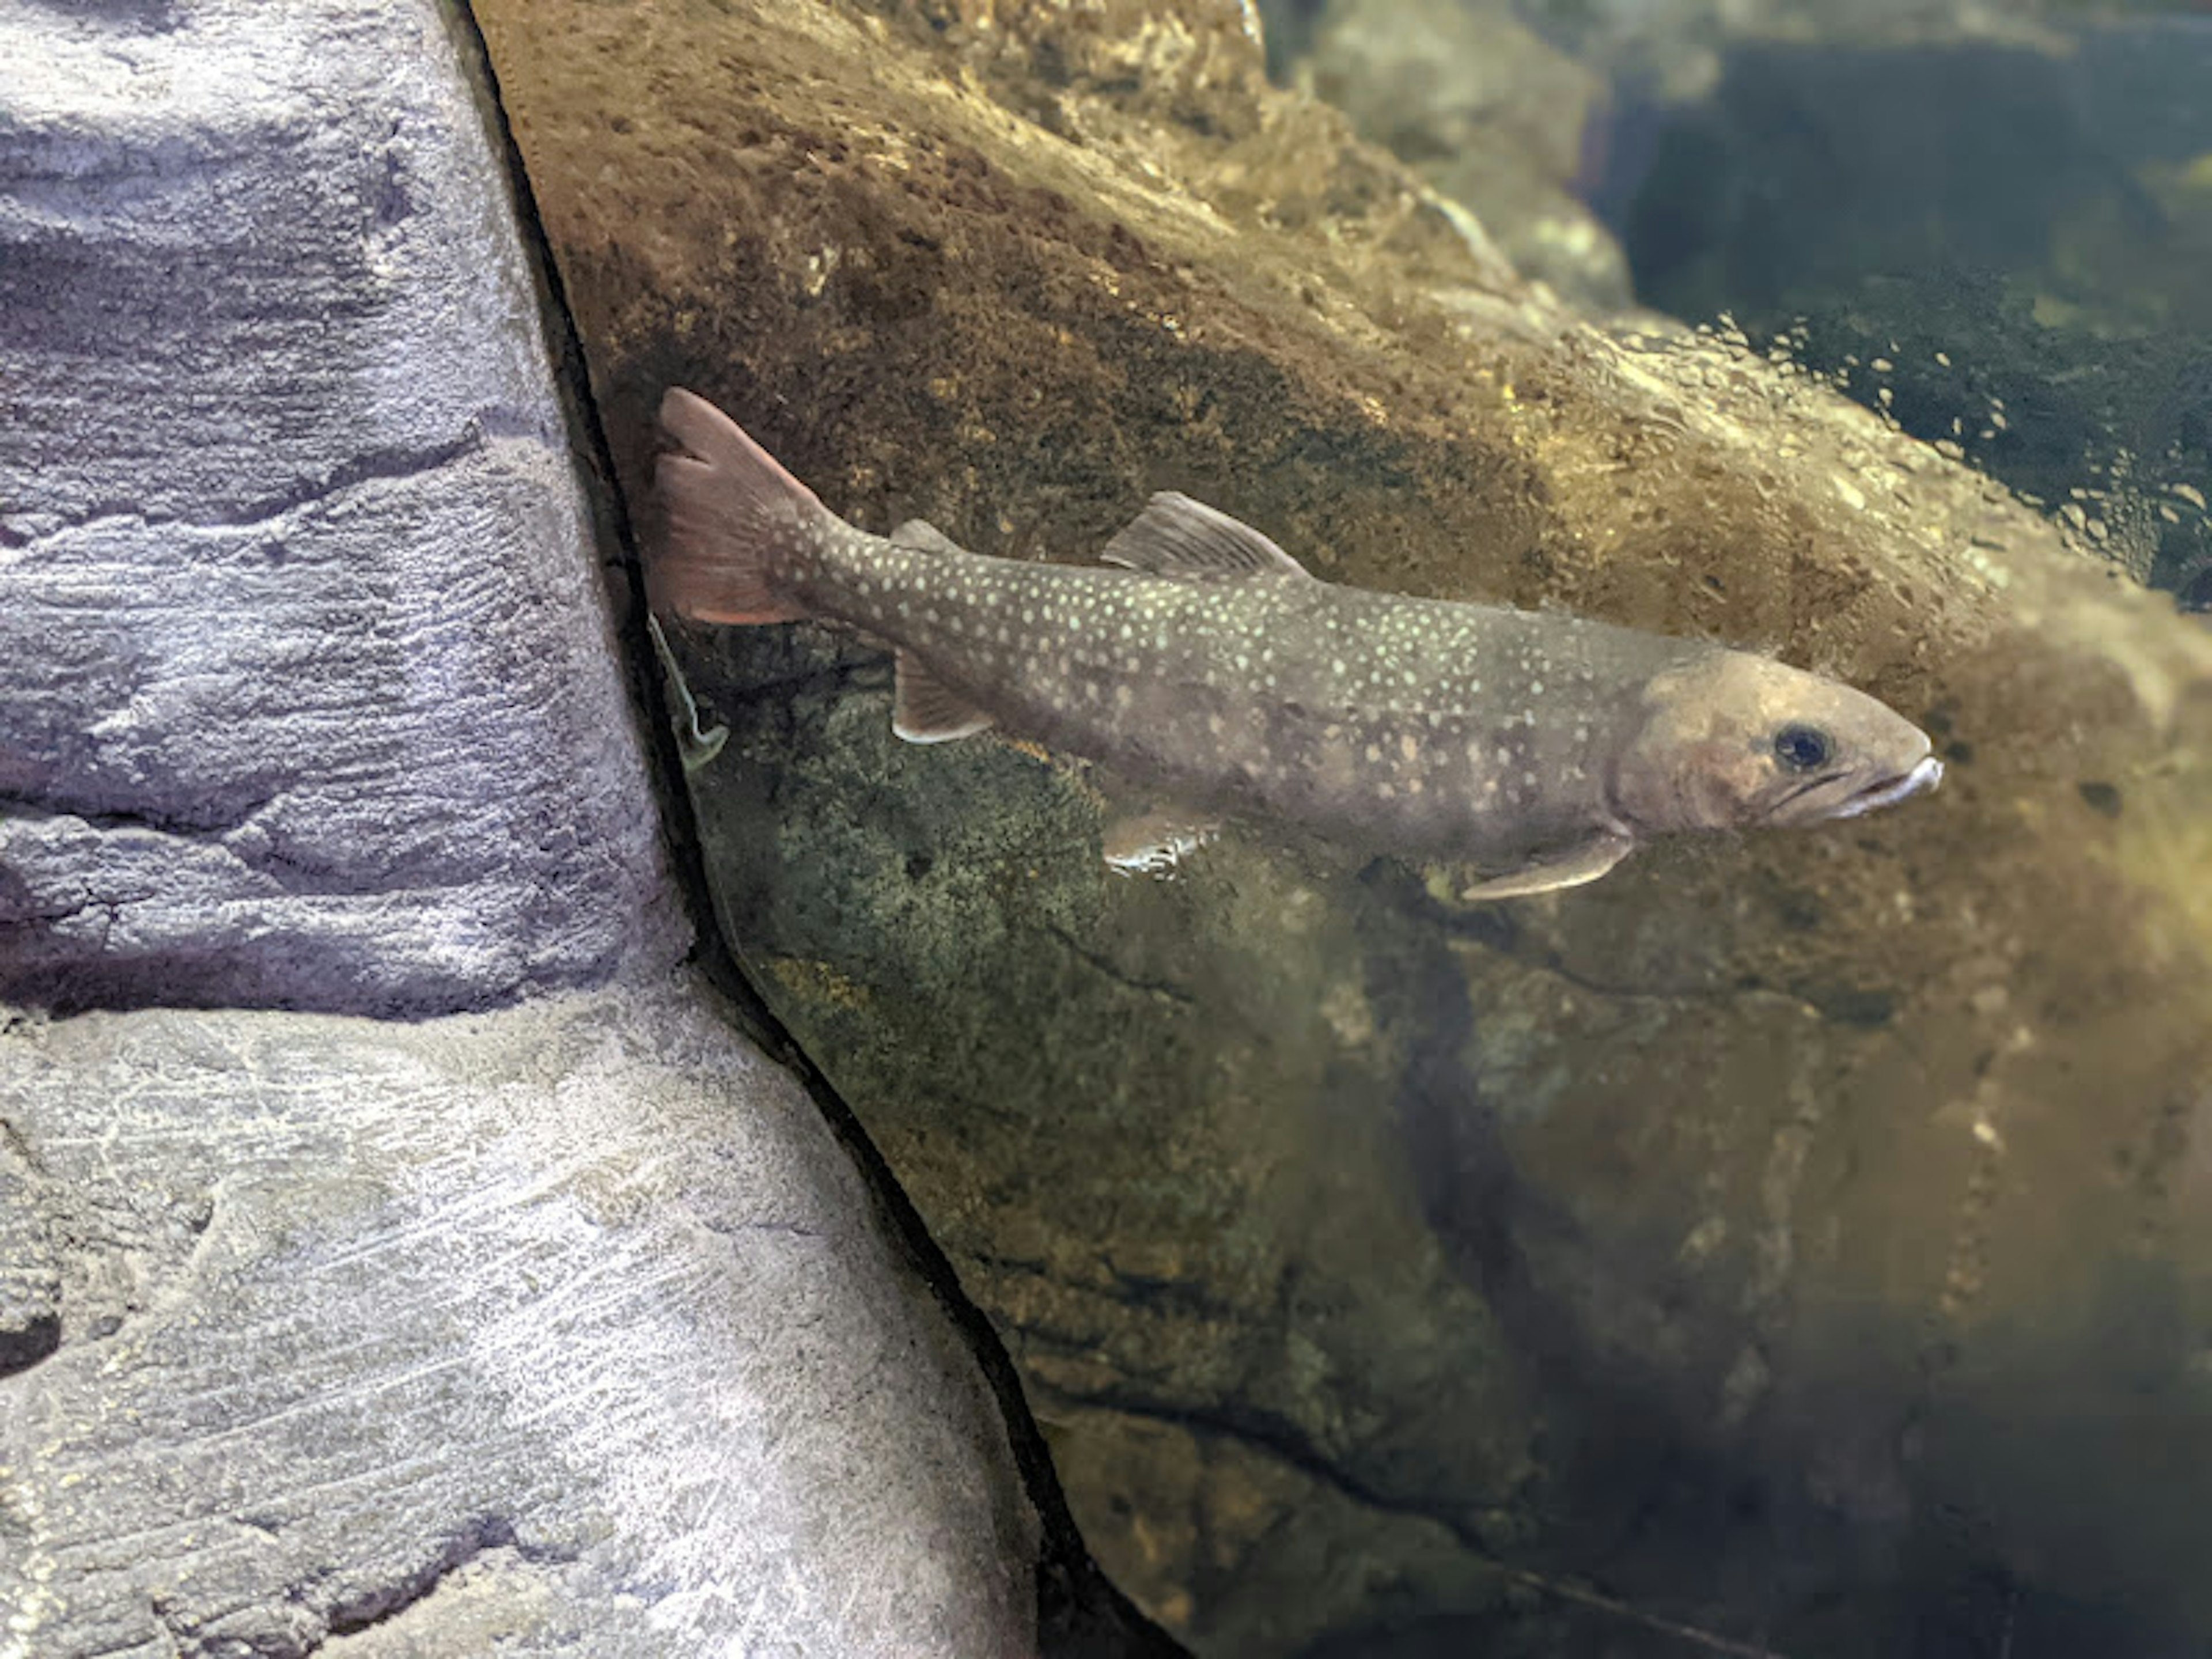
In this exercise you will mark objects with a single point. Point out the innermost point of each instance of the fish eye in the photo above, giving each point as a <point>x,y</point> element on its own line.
<point>1802,747</point>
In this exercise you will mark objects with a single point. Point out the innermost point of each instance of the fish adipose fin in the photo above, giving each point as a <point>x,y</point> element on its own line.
<point>924,710</point>
<point>1584,862</point>
<point>923,537</point>
<point>1189,541</point>
<point>732,516</point>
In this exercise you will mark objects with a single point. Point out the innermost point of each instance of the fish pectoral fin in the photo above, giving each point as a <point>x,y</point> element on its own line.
<point>923,537</point>
<point>924,710</point>
<point>1154,843</point>
<point>1584,862</point>
<point>1189,541</point>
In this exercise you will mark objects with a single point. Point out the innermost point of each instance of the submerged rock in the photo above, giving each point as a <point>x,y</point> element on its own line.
<point>1488,112</point>
<point>1797,1241</point>
<point>2037,302</point>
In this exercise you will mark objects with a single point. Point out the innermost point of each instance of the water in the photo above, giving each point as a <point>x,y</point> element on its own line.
<point>1792,1244</point>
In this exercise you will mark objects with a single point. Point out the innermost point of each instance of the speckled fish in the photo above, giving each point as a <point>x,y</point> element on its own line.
<point>1203,661</point>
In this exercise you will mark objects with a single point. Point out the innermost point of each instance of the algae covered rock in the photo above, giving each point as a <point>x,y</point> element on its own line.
<point>1759,1244</point>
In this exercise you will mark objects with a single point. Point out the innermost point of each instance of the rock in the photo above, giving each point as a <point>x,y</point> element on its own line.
<point>1796,1242</point>
<point>2035,303</point>
<point>550,1318</point>
<point>1675,49</point>
<point>1488,112</point>
<point>404,1337</point>
<point>289,510</point>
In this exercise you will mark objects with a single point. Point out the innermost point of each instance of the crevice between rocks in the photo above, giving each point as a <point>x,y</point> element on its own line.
<point>1275,1437</point>
<point>374,465</point>
<point>14,1139</point>
<point>1106,969</point>
<point>29,1342</point>
<point>205,825</point>
<point>1081,1613</point>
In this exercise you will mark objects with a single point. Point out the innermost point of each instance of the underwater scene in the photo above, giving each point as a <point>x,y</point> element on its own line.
<point>1253,828</point>
<point>1793,1242</point>
<point>1796,1242</point>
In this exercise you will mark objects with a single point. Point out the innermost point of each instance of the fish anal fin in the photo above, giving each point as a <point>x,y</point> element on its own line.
<point>924,710</point>
<point>923,537</point>
<point>1155,843</point>
<point>1584,862</point>
<point>1189,541</point>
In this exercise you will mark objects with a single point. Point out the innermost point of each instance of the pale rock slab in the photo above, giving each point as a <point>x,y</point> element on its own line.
<point>505,1300</point>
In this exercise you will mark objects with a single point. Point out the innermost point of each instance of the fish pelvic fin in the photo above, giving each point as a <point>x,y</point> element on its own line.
<point>1189,541</point>
<point>1584,862</point>
<point>733,518</point>
<point>924,710</point>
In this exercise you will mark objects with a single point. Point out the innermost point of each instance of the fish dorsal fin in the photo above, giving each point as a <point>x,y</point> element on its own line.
<point>1189,541</point>
<point>924,536</point>
<point>924,710</point>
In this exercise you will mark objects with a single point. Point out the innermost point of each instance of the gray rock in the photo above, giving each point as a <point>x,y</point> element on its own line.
<point>553,1319</point>
<point>567,1324</point>
<point>308,698</point>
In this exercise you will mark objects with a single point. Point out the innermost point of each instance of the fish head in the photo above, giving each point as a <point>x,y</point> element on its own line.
<point>1731,741</point>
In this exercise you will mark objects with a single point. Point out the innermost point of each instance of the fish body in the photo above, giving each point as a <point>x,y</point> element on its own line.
<point>1200,660</point>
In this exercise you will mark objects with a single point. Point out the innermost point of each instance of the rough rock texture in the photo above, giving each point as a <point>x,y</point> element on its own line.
<point>286,522</point>
<point>567,1327</point>
<point>1805,1241</point>
<point>552,1319</point>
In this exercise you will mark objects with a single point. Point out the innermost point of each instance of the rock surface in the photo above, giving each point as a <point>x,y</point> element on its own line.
<point>289,516</point>
<point>566,1326</point>
<point>551,1319</point>
<point>1491,114</point>
<point>1803,1242</point>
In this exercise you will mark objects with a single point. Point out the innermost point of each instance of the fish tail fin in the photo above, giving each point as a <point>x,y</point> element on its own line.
<point>736,521</point>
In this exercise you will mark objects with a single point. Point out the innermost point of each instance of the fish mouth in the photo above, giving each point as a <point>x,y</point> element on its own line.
<point>1820,800</point>
<point>1925,776</point>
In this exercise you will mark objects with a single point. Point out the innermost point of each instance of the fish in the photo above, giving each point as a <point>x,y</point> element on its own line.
<point>1201,661</point>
